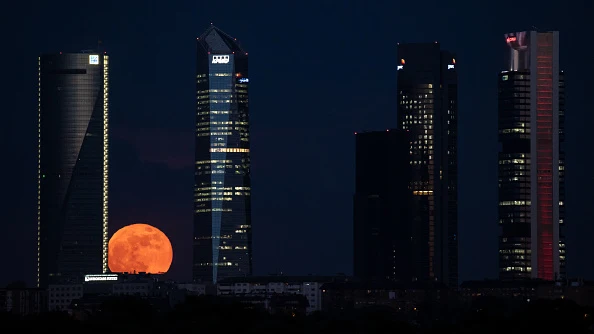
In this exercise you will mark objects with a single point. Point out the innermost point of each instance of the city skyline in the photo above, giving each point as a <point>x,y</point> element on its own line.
<point>127,155</point>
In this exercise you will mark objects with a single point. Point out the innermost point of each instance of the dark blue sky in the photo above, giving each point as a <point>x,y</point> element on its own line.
<point>319,70</point>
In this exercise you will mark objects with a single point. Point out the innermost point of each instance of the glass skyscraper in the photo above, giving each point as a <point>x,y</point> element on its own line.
<point>72,199</point>
<point>531,158</point>
<point>428,110</point>
<point>222,206</point>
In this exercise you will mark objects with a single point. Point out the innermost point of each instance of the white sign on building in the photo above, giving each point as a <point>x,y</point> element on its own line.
<point>101,277</point>
<point>220,59</point>
<point>94,59</point>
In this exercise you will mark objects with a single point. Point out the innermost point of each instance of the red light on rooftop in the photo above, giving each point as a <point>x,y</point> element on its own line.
<point>402,61</point>
<point>511,39</point>
<point>355,133</point>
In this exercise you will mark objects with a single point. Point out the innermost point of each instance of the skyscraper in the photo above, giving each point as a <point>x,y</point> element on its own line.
<point>531,158</point>
<point>72,198</point>
<point>222,206</point>
<point>428,109</point>
<point>382,225</point>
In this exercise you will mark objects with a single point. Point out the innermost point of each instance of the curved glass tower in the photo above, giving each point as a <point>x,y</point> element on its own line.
<point>72,165</point>
<point>222,207</point>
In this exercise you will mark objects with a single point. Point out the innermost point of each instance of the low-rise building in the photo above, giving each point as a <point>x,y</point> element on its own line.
<point>268,286</point>
<point>579,291</point>
<point>193,289</point>
<point>402,297</point>
<point>23,301</point>
<point>60,296</point>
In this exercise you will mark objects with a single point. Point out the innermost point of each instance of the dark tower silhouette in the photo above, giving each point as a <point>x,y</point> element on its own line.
<point>382,221</point>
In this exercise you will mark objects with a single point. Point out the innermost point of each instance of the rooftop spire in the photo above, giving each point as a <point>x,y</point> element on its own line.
<point>215,40</point>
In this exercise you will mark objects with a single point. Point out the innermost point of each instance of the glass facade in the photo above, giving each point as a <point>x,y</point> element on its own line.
<point>72,199</point>
<point>222,187</point>
<point>532,159</point>
<point>428,110</point>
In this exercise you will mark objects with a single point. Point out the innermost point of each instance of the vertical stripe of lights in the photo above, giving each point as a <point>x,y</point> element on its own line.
<point>544,154</point>
<point>38,165</point>
<point>105,157</point>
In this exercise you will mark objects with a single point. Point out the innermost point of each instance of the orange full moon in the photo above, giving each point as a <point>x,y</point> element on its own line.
<point>139,248</point>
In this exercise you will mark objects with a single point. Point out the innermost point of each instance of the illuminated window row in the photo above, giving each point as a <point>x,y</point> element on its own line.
<point>221,123</point>
<point>214,134</point>
<point>423,192</point>
<point>506,203</point>
<point>237,193</point>
<point>527,269</point>
<point>209,199</point>
<point>213,188</point>
<point>201,162</point>
<point>220,264</point>
<point>216,193</point>
<point>514,161</point>
<point>213,210</point>
<point>216,128</point>
<point>214,91</point>
<point>224,236</point>
<point>229,150</point>
<point>515,251</point>
<point>515,130</point>
<point>231,247</point>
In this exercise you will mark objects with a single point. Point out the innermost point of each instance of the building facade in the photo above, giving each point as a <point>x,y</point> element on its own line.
<point>222,187</point>
<point>531,158</point>
<point>23,301</point>
<point>428,110</point>
<point>72,198</point>
<point>263,289</point>
<point>382,222</point>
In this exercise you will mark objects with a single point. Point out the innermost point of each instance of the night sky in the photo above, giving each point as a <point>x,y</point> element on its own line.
<point>319,71</point>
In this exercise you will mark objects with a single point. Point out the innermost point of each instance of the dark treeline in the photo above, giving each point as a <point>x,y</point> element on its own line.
<point>214,315</point>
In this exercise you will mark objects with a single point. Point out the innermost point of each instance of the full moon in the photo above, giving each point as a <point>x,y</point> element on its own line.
<point>139,248</point>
